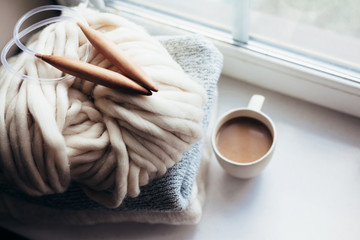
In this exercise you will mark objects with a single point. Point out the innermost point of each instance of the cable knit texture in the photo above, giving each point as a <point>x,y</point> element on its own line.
<point>59,141</point>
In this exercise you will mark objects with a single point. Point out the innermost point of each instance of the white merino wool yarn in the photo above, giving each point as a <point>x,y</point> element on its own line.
<point>111,143</point>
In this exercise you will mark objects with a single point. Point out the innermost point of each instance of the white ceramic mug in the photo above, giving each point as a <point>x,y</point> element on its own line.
<point>251,169</point>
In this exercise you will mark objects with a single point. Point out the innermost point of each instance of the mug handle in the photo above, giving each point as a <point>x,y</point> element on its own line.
<point>256,102</point>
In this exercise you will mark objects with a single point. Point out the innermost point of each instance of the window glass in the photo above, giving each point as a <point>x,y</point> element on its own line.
<point>324,29</point>
<point>323,32</point>
<point>214,13</point>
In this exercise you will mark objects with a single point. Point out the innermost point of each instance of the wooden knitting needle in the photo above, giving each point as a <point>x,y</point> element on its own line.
<point>117,57</point>
<point>94,74</point>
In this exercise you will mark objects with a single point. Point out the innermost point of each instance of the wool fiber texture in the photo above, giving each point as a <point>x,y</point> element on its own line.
<point>76,145</point>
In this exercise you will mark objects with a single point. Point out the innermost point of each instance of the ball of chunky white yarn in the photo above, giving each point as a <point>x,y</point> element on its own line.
<point>109,142</point>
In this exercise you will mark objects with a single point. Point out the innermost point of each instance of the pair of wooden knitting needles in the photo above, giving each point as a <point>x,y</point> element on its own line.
<point>132,80</point>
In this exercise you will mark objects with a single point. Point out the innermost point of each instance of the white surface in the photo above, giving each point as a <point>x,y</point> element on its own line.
<point>292,76</point>
<point>310,189</point>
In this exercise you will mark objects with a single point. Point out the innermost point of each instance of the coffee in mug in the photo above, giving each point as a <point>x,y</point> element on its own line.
<point>244,140</point>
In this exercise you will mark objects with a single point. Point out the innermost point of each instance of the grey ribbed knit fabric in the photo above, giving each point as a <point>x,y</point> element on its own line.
<point>203,62</point>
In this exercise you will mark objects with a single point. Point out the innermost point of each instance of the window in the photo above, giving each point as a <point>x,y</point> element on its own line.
<point>325,30</point>
<point>309,47</point>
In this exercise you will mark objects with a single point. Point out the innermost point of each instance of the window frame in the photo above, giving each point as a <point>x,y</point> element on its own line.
<point>256,65</point>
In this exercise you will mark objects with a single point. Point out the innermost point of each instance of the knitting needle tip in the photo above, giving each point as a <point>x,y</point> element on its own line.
<point>118,57</point>
<point>38,55</point>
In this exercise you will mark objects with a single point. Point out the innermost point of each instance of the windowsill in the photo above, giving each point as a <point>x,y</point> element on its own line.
<point>310,189</point>
<point>291,79</point>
